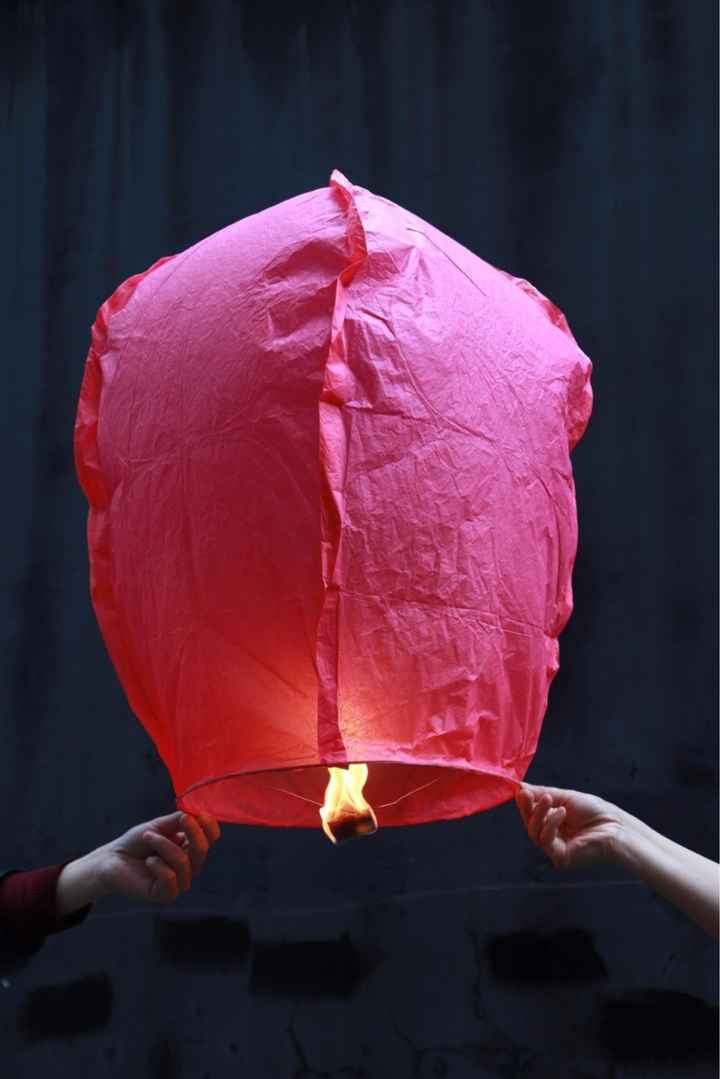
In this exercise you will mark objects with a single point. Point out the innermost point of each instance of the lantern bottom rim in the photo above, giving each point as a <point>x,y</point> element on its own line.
<point>402,792</point>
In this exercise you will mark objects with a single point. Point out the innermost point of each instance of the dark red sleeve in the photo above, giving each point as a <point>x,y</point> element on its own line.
<point>28,903</point>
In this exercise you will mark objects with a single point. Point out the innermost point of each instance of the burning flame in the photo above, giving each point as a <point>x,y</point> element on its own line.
<point>345,812</point>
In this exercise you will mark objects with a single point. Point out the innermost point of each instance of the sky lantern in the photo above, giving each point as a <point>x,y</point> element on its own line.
<point>332,517</point>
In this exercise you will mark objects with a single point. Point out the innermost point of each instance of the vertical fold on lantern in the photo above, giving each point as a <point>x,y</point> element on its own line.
<point>92,479</point>
<point>338,384</point>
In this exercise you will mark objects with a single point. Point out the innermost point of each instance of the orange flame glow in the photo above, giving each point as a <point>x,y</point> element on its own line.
<point>345,812</point>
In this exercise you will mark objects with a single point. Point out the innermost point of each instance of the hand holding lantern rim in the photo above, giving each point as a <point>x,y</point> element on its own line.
<point>155,861</point>
<point>572,828</point>
<point>576,829</point>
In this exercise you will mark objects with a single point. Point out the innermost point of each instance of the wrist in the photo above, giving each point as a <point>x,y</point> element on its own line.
<point>623,839</point>
<point>80,883</point>
<point>636,843</point>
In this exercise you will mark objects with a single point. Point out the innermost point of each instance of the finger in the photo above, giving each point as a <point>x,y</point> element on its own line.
<point>557,794</point>
<point>197,847</point>
<point>551,825</point>
<point>526,797</point>
<point>554,846</point>
<point>164,887</point>
<point>534,796</point>
<point>172,855</point>
<point>534,791</point>
<point>524,801</point>
<point>537,817</point>
<point>210,826</point>
<point>522,793</point>
<point>521,801</point>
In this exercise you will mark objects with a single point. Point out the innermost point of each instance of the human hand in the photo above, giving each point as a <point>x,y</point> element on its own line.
<point>158,860</point>
<point>572,828</point>
<point>154,861</point>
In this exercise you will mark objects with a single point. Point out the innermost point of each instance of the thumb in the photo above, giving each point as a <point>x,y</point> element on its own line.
<point>524,802</point>
<point>538,789</point>
<point>167,825</point>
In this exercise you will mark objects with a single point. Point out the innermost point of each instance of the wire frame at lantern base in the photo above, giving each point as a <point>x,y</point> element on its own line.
<point>400,794</point>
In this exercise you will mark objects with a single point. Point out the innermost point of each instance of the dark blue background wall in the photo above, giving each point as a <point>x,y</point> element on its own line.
<point>573,144</point>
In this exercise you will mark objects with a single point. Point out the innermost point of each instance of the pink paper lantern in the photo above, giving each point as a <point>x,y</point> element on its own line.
<point>332,511</point>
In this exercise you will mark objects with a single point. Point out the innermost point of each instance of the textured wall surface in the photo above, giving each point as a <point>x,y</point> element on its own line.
<point>571,144</point>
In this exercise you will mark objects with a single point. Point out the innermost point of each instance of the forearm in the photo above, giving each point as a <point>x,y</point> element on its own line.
<point>688,880</point>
